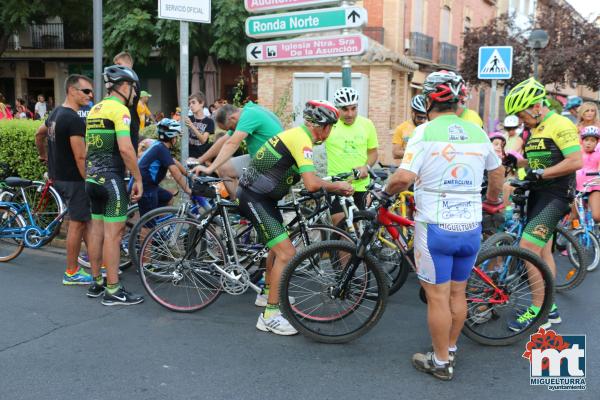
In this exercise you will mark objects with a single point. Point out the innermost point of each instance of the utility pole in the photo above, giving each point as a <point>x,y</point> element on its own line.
<point>98,51</point>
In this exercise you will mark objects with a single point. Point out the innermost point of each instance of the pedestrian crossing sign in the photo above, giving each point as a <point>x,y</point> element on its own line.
<point>495,62</point>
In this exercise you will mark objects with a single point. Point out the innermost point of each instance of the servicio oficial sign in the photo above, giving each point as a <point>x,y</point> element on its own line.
<point>305,21</point>
<point>185,10</point>
<point>307,48</point>
<point>259,6</point>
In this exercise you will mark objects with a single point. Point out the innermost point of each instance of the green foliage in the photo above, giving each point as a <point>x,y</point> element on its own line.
<point>228,31</point>
<point>285,117</point>
<point>238,93</point>
<point>18,148</point>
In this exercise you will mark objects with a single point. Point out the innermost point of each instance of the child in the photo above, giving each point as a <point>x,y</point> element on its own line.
<point>499,142</point>
<point>513,142</point>
<point>591,163</point>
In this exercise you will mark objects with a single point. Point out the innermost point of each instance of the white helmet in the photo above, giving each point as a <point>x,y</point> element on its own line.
<point>511,121</point>
<point>345,96</point>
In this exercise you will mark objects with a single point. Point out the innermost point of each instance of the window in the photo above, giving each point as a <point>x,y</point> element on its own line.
<point>445,25</point>
<point>417,16</point>
<point>467,24</point>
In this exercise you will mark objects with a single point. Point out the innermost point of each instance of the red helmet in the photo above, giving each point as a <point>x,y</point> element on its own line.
<point>321,112</point>
<point>444,87</point>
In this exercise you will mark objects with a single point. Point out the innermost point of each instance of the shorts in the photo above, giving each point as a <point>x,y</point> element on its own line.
<point>544,211</point>
<point>76,199</point>
<point>446,252</point>
<point>266,218</point>
<point>240,163</point>
<point>108,198</point>
<point>153,198</point>
<point>359,199</point>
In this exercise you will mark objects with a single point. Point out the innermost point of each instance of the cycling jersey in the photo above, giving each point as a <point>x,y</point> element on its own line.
<point>471,116</point>
<point>403,132</point>
<point>449,156</point>
<point>278,164</point>
<point>106,121</point>
<point>548,144</point>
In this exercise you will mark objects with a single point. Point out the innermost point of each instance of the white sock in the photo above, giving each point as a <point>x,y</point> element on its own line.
<point>439,363</point>
<point>452,348</point>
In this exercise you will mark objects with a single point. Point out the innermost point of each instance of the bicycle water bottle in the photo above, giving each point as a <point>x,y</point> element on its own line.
<point>509,217</point>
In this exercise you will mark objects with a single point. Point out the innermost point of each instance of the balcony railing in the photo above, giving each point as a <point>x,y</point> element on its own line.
<point>50,36</point>
<point>374,32</point>
<point>421,45</point>
<point>448,54</point>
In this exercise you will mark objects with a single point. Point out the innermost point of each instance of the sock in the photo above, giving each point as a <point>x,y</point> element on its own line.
<point>265,290</point>
<point>439,363</point>
<point>452,348</point>
<point>99,280</point>
<point>554,308</point>
<point>72,270</point>
<point>270,309</point>
<point>113,288</point>
<point>535,309</point>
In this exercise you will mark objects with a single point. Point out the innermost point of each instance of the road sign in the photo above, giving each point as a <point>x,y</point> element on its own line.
<point>307,48</point>
<point>185,10</point>
<point>260,6</point>
<point>294,23</point>
<point>495,62</point>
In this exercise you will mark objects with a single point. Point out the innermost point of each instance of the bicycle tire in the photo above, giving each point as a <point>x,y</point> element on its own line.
<point>50,210</point>
<point>575,275</point>
<point>593,246</point>
<point>314,326</point>
<point>5,214</point>
<point>197,270</point>
<point>499,239</point>
<point>496,315</point>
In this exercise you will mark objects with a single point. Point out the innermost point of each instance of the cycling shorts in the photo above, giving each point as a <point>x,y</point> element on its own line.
<point>266,218</point>
<point>544,212</point>
<point>153,198</point>
<point>446,252</point>
<point>108,197</point>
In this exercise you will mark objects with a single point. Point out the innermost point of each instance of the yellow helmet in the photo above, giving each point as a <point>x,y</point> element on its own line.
<point>523,96</point>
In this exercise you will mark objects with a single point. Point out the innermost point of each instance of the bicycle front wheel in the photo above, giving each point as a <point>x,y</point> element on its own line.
<point>591,249</point>
<point>569,274</point>
<point>324,310</point>
<point>10,245</point>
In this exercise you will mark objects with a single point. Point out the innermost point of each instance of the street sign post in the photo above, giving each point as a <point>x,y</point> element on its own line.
<point>495,62</point>
<point>185,10</point>
<point>307,48</point>
<point>305,21</point>
<point>260,6</point>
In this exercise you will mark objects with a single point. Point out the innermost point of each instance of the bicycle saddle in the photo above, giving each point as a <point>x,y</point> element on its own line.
<point>13,181</point>
<point>520,184</point>
<point>208,179</point>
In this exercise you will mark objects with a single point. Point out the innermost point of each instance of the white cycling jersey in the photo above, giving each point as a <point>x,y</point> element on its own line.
<point>449,156</point>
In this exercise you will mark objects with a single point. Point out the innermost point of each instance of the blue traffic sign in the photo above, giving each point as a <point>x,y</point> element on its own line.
<point>495,62</point>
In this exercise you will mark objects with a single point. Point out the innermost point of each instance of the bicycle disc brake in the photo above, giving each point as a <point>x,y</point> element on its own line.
<point>237,286</point>
<point>33,237</point>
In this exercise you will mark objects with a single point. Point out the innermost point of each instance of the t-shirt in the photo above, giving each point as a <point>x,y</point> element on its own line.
<point>143,111</point>
<point>553,139</point>
<point>403,132</point>
<point>347,147</point>
<point>40,109</point>
<point>449,156</point>
<point>260,124</point>
<point>591,163</point>
<point>134,127</point>
<point>85,110</point>
<point>196,148</point>
<point>154,164</point>
<point>277,165</point>
<point>63,123</point>
<point>471,116</point>
<point>108,120</point>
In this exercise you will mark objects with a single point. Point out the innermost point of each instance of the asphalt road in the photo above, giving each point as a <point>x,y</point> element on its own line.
<point>57,344</point>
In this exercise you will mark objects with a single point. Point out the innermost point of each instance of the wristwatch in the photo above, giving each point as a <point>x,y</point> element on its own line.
<point>539,173</point>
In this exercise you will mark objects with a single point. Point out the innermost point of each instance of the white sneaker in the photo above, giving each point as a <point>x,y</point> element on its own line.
<point>261,300</point>
<point>276,324</point>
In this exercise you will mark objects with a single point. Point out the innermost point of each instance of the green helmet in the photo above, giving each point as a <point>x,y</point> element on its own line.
<point>523,96</point>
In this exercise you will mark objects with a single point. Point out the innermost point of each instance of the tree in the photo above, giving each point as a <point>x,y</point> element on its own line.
<point>570,54</point>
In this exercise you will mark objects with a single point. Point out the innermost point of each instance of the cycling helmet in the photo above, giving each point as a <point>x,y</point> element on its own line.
<point>345,96</point>
<point>511,121</point>
<point>418,104</point>
<point>118,73</point>
<point>590,131</point>
<point>572,102</point>
<point>444,87</point>
<point>497,135</point>
<point>168,129</point>
<point>321,112</point>
<point>523,96</point>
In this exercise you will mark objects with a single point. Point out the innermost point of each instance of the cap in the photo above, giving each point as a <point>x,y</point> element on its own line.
<point>145,94</point>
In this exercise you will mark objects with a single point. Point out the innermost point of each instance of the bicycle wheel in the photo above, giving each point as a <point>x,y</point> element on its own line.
<point>10,247</point>
<point>500,288</point>
<point>177,282</point>
<point>499,239</point>
<point>591,249</point>
<point>568,275</point>
<point>45,203</point>
<point>311,278</point>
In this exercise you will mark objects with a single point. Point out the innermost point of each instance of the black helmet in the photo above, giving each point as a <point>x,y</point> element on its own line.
<point>117,73</point>
<point>321,112</point>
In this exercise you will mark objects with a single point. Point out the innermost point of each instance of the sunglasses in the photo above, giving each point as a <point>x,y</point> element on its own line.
<point>86,91</point>
<point>420,118</point>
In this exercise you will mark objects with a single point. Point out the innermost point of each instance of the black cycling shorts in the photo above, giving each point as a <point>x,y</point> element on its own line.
<point>108,197</point>
<point>266,218</point>
<point>544,212</point>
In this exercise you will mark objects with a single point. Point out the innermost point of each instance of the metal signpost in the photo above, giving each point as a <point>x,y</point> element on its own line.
<point>98,51</point>
<point>184,11</point>
<point>495,62</point>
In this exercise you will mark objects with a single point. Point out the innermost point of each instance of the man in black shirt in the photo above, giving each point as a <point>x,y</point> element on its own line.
<point>64,131</point>
<point>125,59</point>
<point>200,126</point>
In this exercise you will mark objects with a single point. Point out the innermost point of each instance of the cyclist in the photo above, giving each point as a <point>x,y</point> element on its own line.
<point>278,165</point>
<point>572,107</point>
<point>404,131</point>
<point>467,114</point>
<point>352,145</point>
<point>447,157</point>
<point>591,163</point>
<point>553,155</point>
<point>513,140</point>
<point>254,124</point>
<point>110,151</point>
<point>125,59</point>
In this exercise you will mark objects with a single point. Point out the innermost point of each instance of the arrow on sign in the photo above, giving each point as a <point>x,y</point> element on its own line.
<point>255,52</point>
<point>353,15</point>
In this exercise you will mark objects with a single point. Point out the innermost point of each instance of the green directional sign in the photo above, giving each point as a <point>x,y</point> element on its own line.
<point>294,23</point>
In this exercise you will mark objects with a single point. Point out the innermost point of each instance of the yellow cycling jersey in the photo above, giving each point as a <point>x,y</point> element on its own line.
<point>471,116</point>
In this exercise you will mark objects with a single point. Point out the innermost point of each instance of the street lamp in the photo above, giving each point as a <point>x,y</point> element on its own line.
<point>538,39</point>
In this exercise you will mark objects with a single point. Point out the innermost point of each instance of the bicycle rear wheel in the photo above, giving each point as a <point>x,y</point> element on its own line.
<point>500,289</point>
<point>10,247</point>
<point>45,203</point>
<point>311,278</point>
<point>569,275</point>
<point>591,248</point>
<point>178,282</point>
